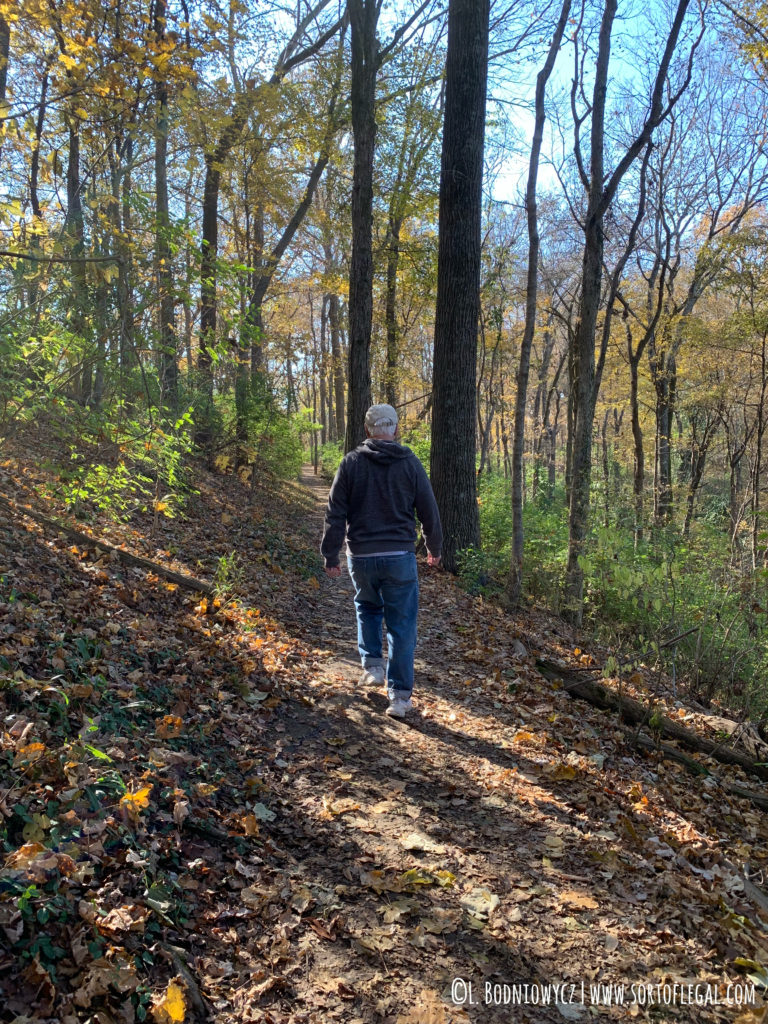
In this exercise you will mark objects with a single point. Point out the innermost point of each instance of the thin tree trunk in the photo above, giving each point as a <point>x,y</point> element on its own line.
<point>5,52</point>
<point>325,408</point>
<point>34,172</point>
<point>75,229</point>
<point>169,385</point>
<point>337,359</point>
<point>390,310</point>
<point>515,581</point>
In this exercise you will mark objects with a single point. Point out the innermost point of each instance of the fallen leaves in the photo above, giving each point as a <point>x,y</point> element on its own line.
<point>171,1006</point>
<point>133,803</point>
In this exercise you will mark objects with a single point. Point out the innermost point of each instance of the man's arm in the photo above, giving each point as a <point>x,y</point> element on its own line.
<point>335,519</point>
<point>429,517</point>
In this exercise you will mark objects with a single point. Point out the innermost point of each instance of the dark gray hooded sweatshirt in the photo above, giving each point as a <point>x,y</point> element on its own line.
<point>376,490</point>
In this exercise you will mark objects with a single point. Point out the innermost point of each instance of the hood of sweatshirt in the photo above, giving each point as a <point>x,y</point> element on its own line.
<point>383,451</point>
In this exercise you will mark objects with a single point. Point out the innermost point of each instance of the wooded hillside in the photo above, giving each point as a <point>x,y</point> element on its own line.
<point>539,230</point>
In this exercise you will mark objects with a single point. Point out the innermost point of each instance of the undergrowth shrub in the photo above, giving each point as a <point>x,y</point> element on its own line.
<point>677,604</point>
<point>331,454</point>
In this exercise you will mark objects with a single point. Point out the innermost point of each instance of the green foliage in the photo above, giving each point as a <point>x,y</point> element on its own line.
<point>640,596</point>
<point>121,465</point>
<point>331,454</point>
<point>419,439</point>
<point>229,574</point>
<point>274,439</point>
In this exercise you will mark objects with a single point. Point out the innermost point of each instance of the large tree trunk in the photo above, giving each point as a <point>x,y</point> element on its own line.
<point>363,18</point>
<point>515,582</point>
<point>458,277</point>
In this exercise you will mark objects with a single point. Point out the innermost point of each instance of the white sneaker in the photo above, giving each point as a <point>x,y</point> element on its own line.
<point>398,708</point>
<point>372,676</point>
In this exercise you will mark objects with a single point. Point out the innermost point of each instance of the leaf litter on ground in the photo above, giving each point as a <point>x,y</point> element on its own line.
<point>202,816</point>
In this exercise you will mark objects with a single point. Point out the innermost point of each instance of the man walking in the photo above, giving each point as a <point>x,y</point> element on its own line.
<point>375,492</point>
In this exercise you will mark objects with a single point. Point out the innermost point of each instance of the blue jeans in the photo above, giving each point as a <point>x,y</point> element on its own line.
<point>387,589</point>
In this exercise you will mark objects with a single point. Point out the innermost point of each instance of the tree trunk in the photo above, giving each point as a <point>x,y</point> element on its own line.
<point>169,383</point>
<point>325,405</point>
<point>390,310</point>
<point>74,228</point>
<point>638,478</point>
<point>756,470</point>
<point>665,406</point>
<point>458,277</point>
<point>600,195</point>
<point>337,359</point>
<point>584,337</point>
<point>515,581</point>
<point>34,172</point>
<point>208,258</point>
<point>363,17</point>
<point>5,52</point>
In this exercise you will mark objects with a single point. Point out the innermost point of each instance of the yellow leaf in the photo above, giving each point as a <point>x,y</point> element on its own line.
<point>172,1007</point>
<point>22,858</point>
<point>135,802</point>
<point>31,752</point>
<point>250,824</point>
<point>578,900</point>
<point>523,736</point>
<point>563,772</point>
<point>169,727</point>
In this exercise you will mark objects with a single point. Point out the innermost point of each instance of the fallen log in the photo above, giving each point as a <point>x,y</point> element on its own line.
<point>126,557</point>
<point>635,713</point>
<point>697,768</point>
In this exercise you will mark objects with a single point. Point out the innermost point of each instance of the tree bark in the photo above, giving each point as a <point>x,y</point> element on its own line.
<point>363,19</point>
<point>458,278</point>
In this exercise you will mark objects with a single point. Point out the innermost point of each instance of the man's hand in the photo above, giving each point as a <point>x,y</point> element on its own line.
<point>433,559</point>
<point>333,571</point>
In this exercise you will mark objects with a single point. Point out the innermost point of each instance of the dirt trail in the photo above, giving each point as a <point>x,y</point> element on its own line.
<point>404,797</point>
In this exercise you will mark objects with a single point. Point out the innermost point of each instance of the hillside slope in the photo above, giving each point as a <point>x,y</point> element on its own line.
<point>205,819</point>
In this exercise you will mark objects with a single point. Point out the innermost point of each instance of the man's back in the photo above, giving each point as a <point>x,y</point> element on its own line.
<point>377,488</point>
